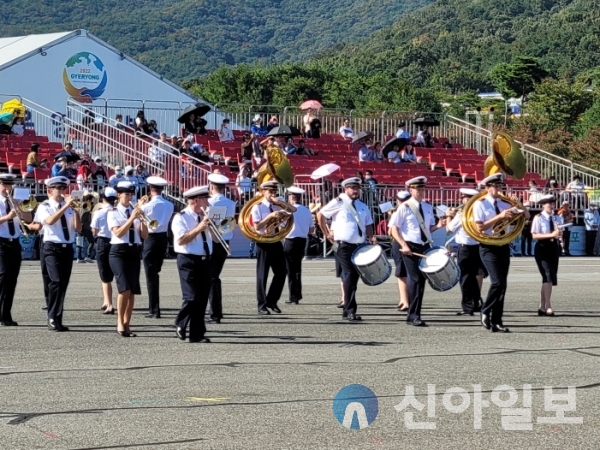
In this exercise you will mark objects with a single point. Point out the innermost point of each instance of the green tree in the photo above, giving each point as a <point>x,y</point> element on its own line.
<point>518,78</point>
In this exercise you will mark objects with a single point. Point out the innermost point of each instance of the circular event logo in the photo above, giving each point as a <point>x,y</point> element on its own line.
<point>84,77</point>
<point>355,406</point>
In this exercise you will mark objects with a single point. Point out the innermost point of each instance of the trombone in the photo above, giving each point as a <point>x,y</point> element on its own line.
<point>225,226</point>
<point>150,223</point>
<point>25,206</point>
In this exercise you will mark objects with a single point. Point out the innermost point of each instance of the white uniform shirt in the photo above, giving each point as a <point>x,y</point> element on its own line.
<point>262,210</point>
<point>221,200</point>
<point>160,209</point>
<point>36,219</point>
<point>303,221</point>
<point>4,232</point>
<point>343,224</point>
<point>460,237</point>
<point>117,217</point>
<point>99,221</point>
<point>54,233</point>
<point>484,210</point>
<point>185,222</point>
<point>407,222</point>
<point>541,223</point>
<point>114,180</point>
<point>590,218</point>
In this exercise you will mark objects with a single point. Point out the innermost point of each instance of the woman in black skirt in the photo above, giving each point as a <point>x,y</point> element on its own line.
<point>545,230</point>
<point>397,255</point>
<point>124,258</point>
<point>103,236</point>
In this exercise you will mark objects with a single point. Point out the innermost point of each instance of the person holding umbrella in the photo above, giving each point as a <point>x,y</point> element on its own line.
<point>191,118</point>
<point>59,169</point>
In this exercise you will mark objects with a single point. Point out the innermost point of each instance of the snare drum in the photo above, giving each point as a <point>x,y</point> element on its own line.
<point>441,270</point>
<point>371,263</point>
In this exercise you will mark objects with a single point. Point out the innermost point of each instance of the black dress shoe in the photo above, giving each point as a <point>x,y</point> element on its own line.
<point>124,334</point>
<point>418,323</point>
<point>211,320</point>
<point>485,321</point>
<point>353,318</point>
<point>61,327</point>
<point>52,325</point>
<point>152,315</point>
<point>263,312</point>
<point>501,328</point>
<point>15,324</point>
<point>104,307</point>
<point>464,313</point>
<point>44,308</point>
<point>180,333</point>
<point>109,311</point>
<point>541,313</point>
<point>289,302</point>
<point>5,323</point>
<point>340,305</point>
<point>276,309</point>
<point>200,340</point>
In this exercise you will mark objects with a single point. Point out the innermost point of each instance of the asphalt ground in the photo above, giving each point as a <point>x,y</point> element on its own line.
<point>269,382</point>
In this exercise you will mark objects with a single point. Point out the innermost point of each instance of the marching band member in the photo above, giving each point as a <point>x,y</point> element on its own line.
<point>294,244</point>
<point>268,256</point>
<point>193,245</point>
<point>155,246</point>
<point>353,225</point>
<point>219,253</point>
<point>469,260</point>
<point>37,226</point>
<point>103,237</point>
<point>545,230</point>
<point>124,257</point>
<point>60,223</point>
<point>412,229</point>
<point>496,259</point>
<point>10,249</point>
<point>397,255</point>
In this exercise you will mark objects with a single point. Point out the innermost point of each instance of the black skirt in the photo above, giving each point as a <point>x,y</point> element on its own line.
<point>397,255</point>
<point>124,261</point>
<point>102,259</point>
<point>546,254</point>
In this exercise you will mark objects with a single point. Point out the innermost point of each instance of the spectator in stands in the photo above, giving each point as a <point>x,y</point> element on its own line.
<point>99,174</point>
<point>378,152</point>
<point>153,129</point>
<point>44,163</point>
<point>567,217</point>
<point>394,157</point>
<point>32,161</point>
<point>408,154</point>
<point>273,122</point>
<point>447,145</point>
<point>141,174</point>
<point>200,125</point>
<point>289,148</point>
<point>18,127</point>
<point>247,147</point>
<point>130,175</point>
<point>257,127</point>
<point>225,133</point>
<point>402,133</point>
<point>551,186</point>
<point>315,128</point>
<point>84,176</point>
<point>575,186</point>
<point>60,169</point>
<point>156,153</point>
<point>68,147</point>
<point>306,120</point>
<point>117,177</point>
<point>141,124</point>
<point>302,150</point>
<point>186,147</point>
<point>360,175</point>
<point>371,188</point>
<point>88,118</point>
<point>366,153</point>
<point>346,131</point>
<point>203,155</point>
<point>119,121</point>
<point>243,182</point>
<point>174,140</point>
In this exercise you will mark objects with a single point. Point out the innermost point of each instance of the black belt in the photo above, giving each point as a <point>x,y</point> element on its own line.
<point>58,244</point>
<point>123,245</point>
<point>102,238</point>
<point>469,245</point>
<point>3,239</point>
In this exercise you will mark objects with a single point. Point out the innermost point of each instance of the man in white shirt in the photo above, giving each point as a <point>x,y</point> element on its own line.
<point>412,228</point>
<point>295,243</point>
<point>402,133</point>
<point>268,256</point>
<point>351,226</point>
<point>346,131</point>
<point>193,244</point>
<point>155,247</point>
<point>590,219</point>
<point>218,202</point>
<point>117,177</point>
<point>469,260</point>
<point>10,248</point>
<point>225,134</point>
<point>487,212</point>
<point>60,223</point>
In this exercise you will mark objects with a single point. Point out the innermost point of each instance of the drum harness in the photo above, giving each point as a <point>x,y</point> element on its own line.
<point>419,217</point>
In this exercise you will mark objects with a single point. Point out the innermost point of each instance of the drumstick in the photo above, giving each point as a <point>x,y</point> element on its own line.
<point>419,255</point>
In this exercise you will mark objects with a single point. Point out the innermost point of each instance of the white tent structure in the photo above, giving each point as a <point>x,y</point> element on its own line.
<point>50,69</point>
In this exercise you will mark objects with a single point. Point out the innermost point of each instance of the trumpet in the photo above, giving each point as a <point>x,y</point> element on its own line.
<point>225,226</point>
<point>83,206</point>
<point>150,223</point>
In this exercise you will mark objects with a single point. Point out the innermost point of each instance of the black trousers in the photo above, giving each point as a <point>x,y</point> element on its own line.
<point>496,260</point>
<point>59,263</point>
<point>10,266</point>
<point>350,276</point>
<point>590,241</point>
<point>566,238</point>
<point>45,277</point>
<point>416,281</point>
<point>269,256</point>
<point>294,250</point>
<point>526,242</point>
<point>153,255</point>
<point>217,261</point>
<point>469,262</point>
<point>194,277</point>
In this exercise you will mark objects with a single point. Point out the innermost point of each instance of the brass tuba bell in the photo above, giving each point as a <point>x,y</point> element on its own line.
<point>507,159</point>
<point>277,167</point>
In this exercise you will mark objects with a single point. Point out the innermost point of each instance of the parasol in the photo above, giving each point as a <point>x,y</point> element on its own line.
<point>197,109</point>
<point>311,104</point>
<point>362,136</point>
<point>284,130</point>
<point>71,156</point>
<point>324,171</point>
<point>389,145</point>
<point>429,121</point>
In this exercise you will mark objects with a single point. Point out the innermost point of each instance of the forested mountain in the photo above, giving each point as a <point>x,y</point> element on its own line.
<point>188,38</point>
